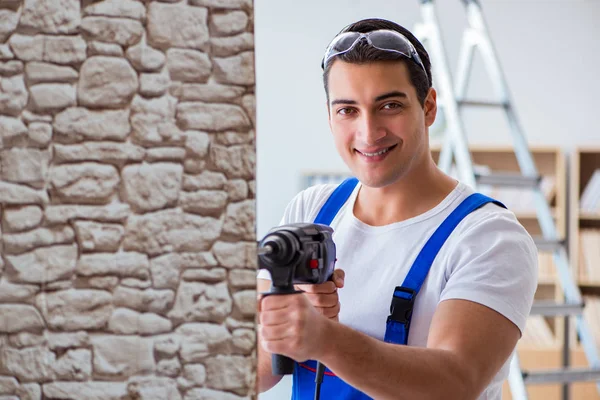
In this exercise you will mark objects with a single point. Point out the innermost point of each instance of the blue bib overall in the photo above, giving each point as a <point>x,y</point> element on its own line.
<point>403,298</point>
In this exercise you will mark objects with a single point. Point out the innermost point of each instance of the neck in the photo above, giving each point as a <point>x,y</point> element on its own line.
<point>413,194</point>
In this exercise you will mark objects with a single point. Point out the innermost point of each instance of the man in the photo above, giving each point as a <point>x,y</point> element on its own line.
<point>472,306</point>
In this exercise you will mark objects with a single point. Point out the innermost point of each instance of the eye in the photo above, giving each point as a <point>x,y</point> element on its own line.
<point>392,106</point>
<point>345,111</point>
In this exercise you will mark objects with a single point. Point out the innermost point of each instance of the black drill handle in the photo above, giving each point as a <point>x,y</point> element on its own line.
<point>282,365</point>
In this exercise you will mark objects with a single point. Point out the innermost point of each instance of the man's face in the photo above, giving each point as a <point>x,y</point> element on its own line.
<point>379,126</point>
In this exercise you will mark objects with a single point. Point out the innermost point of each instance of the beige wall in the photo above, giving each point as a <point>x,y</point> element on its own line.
<point>127,199</point>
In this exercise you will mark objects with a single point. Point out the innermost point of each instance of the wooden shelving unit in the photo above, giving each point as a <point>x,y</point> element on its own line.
<point>584,163</point>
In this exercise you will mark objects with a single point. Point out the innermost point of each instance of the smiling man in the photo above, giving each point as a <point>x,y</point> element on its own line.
<point>457,270</point>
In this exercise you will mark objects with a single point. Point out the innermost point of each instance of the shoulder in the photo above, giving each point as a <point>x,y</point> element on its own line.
<point>306,204</point>
<point>492,225</point>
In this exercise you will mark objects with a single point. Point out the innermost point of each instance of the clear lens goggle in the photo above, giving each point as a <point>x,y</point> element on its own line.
<point>382,39</point>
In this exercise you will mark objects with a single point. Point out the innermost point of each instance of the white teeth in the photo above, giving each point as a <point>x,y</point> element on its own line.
<point>376,154</point>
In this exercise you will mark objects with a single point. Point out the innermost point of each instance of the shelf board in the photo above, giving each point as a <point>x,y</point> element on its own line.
<point>547,280</point>
<point>532,214</point>
<point>589,283</point>
<point>589,216</point>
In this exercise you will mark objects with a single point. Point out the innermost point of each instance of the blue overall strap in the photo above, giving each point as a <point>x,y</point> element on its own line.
<point>336,201</point>
<point>398,323</point>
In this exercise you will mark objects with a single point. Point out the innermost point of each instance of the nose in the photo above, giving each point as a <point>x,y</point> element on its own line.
<point>370,131</point>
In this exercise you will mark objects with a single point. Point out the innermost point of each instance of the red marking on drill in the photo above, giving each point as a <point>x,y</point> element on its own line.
<point>313,264</point>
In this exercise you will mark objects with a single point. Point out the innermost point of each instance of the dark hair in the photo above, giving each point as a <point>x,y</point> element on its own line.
<point>363,53</point>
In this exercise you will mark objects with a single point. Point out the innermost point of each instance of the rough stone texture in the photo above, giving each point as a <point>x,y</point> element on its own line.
<point>112,213</point>
<point>204,202</point>
<point>235,255</point>
<point>228,23</point>
<point>22,218</point>
<point>18,318</point>
<point>232,45</point>
<point>40,72</point>
<point>188,65</point>
<point>236,70</point>
<point>44,264</point>
<point>153,122</point>
<point>120,264</point>
<point>95,236</point>
<point>39,134</point>
<point>235,161</point>
<point>21,242</point>
<point>198,301</point>
<point>153,388</point>
<point>168,231</point>
<point>51,16</point>
<point>11,130</point>
<point>204,180</point>
<point>11,68</point>
<point>76,124</point>
<point>84,183</point>
<point>177,25</point>
<point>71,310</point>
<point>238,220</point>
<point>238,368</point>
<point>150,187</point>
<point>122,31</point>
<point>85,390</point>
<point>26,166</point>
<point>29,391</point>
<point>144,58</point>
<point>154,85</point>
<point>105,152</point>
<point>117,8</point>
<point>13,95</point>
<point>67,50</point>
<point>127,252</point>
<point>9,20</point>
<point>212,117</point>
<point>122,355</point>
<point>200,340</point>
<point>106,82</point>
<point>50,97</point>
<point>15,293</point>
<point>96,48</point>
<point>210,92</point>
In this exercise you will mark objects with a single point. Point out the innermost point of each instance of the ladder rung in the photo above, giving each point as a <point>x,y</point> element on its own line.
<point>564,375</point>
<point>547,245</point>
<point>482,103</point>
<point>508,179</point>
<point>550,308</point>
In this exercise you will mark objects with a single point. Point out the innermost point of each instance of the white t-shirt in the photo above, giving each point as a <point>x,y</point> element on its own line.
<point>489,259</point>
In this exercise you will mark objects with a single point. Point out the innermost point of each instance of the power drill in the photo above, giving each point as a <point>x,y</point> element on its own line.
<point>300,253</point>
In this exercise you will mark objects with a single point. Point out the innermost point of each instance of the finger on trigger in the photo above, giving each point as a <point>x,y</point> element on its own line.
<point>338,277</point>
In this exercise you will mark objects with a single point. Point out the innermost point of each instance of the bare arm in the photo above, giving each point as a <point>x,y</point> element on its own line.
<point>266,379</point>
<point>468,344</point>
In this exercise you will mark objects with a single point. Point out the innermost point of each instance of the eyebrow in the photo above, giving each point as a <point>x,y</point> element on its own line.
<point>384,96</point>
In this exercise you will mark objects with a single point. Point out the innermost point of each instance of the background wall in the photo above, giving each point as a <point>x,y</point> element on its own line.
<point>548,50</point>
<point>127,199</point>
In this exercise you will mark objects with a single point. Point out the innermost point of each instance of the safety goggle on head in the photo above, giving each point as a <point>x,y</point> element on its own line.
<point>382,39</point>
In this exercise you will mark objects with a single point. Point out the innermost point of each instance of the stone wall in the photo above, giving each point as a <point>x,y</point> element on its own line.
<point>127,209</point>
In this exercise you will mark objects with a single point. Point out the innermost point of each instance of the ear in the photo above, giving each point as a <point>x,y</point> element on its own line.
<point>328,114</point>
<point>430,107</point>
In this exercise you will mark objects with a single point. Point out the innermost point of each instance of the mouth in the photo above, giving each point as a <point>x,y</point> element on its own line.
<point>376,153</point>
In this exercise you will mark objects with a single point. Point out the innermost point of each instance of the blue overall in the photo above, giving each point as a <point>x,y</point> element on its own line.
<point>403,298</point>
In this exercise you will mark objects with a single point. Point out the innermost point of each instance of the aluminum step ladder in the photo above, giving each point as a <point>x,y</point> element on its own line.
<point>452,101</point>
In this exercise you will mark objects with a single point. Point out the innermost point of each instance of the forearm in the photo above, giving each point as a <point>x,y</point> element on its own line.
<point>387,371</point>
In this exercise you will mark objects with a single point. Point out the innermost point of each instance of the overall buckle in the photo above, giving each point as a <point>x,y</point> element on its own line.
<point>402,305</point>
